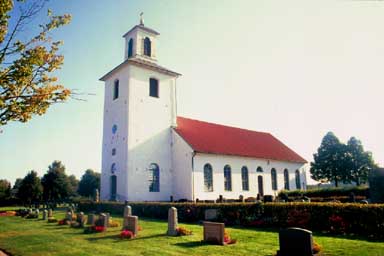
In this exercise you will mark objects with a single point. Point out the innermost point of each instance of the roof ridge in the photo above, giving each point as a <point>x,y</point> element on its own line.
<point>223,125</point>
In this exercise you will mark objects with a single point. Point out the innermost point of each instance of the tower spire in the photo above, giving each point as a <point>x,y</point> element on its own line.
<point>141,19</point>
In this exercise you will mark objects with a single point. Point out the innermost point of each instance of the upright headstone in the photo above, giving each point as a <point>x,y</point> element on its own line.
<point>80,219</point>
<point>91,219</point>
<point>210,214</point>
<point>131,224</point>
<point>45,214</point>
<point>68,216</point>
<point>214,232</point>
<point>37,213</point>
<point>108,216</point>
<point>172,221</point>
<point>50,213</point>
<point>127,210</point>
<point>103,220</point>
<point>295,241</point>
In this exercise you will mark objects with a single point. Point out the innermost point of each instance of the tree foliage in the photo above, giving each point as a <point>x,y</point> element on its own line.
<point>27,84</point>
<point>73,185</point>
<point>5,189</point>
<point>30,189</point>
<point>339,162</point>
<point>56,183</point>
<point>376,185</point>
<point>89,182</point>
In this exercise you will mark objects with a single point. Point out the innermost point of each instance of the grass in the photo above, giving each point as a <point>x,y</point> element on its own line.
<point>20,236</point>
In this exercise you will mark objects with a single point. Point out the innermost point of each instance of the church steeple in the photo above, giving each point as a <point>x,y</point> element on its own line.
<point>140,42</point>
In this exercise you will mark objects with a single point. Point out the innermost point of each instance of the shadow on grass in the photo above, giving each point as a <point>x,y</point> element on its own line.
<point>192,244</point>
<point>117,238</point>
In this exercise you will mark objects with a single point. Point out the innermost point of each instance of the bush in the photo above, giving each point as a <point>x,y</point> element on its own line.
<point>360,219</point>
<point>328,192</point>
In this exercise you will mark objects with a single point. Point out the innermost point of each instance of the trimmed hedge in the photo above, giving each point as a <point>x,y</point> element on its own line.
<point>328,192</point>
<point>362,219</point>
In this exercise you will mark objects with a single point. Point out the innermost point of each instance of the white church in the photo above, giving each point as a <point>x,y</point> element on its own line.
<point>150,154</point>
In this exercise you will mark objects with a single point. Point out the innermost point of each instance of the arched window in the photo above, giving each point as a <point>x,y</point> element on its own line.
<point>208,178</point>
<point>130,48</point>
<point>286,179</point>
<point>297,178</point>
<point>274,179</point>
<point>154,182</point>
<point>154,87</point>
<point>245,178</point>
<point>259,169</point>
<point>113,168</point>
<point>147,47</point>
<point>116,89</point>
<point>227,178</point>
<point>114,151</point>
<point>113,187</point>
<point>114,129</point>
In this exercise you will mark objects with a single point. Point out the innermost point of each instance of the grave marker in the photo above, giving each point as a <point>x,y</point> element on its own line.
<point>91,219</point>
<point>210,214</point>
<point>295,241</point>
<point>45,213</point>
<point>103,220</point>
<point>131,224</point>
<point>127,210</point>
<point>50,213</point>
<point>172,221</point>
<point>214,232</point>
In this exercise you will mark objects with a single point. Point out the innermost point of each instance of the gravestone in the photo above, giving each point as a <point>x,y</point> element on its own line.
<point>214,232</point>
<point>103,220</point>
<point>108,218</point>
<point>172,221</point>
<point>68,216</point>
<point>80,219</point>
<point>37,213</point>
<point>50,213</point>
<point>210,214</point>
<point>131,223</point>
<point>127,210</point>
<point>91,219</point>
<point>45,214</point>
<point>295,241</point>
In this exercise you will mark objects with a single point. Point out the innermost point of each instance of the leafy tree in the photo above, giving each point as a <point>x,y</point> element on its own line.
<point>329,161</point>
<point>27,84</point>
<point>30,189</point>
<point>376,185</point>
<point>56,183</point>
<point>74,185</point>
<point>16,187</point>
<point>5,189</point>
<point>89,182</point>
<point>359,162</point>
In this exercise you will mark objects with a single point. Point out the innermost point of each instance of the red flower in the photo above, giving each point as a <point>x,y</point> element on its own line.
<point>99,228</point>
<point>126,234</point>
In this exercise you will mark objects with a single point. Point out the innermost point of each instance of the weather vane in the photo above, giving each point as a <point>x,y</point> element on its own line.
<point>141,19</point>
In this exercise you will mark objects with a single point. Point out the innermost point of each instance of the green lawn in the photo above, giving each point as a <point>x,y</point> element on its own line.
<point>36,237</point>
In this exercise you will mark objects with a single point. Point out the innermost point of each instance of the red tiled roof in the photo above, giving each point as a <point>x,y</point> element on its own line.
<point>212,138</point>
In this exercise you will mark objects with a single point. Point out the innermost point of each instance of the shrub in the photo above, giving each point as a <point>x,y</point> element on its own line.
<point>327,192</point>
<point>182,231</point>
<point>114,224</point>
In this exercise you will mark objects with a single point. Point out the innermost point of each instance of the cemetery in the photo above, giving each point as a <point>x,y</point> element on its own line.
<point>128,229</point>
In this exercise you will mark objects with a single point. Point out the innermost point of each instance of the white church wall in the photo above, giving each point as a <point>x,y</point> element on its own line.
<point>182,168</point>
<point>114,113</point>
<point>149,141</point>
<point>219,161</point>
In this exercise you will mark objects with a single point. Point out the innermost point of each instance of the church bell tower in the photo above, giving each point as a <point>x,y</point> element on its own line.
<point>139,111</point>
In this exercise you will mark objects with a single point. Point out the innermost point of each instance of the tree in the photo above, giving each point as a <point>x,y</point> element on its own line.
<point>376,185</point>
<point>27,84</point>
<point>329,161</point>
<point>89,182</point>
<point>5,189</point>
<point>30,189</point>
<point>16,186</point>
<point>74,185</point>
<point>56,183</point>
<point>359,162</point>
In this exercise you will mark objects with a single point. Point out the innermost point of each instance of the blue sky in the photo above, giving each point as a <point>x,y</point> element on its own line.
<point>297,70</point>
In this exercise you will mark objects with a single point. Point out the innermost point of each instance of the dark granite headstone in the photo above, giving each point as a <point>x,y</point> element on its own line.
<point>295,241</point>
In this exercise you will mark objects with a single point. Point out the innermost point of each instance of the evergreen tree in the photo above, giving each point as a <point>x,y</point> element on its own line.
<point>30,189</point>
<point>89,182</point>
<point>5,189</point>
<point>74,185</point>
<point>56,183</point>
